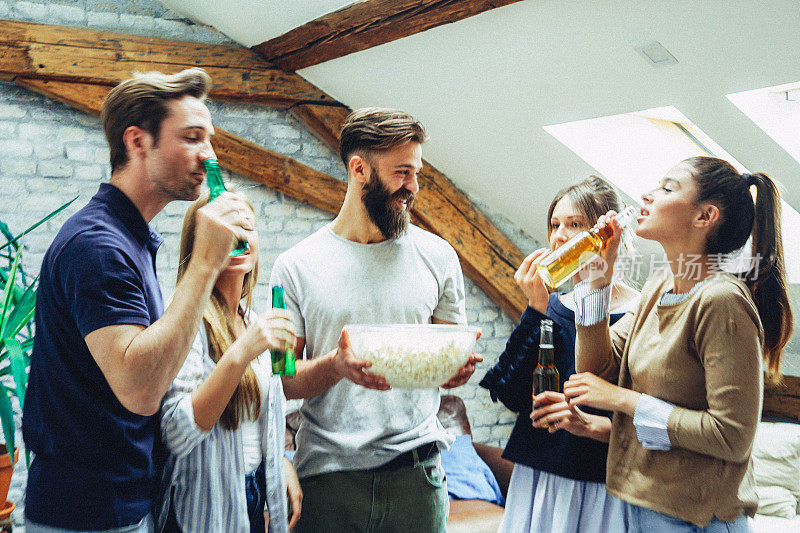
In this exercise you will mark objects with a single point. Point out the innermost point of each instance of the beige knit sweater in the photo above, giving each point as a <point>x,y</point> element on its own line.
<point>704,356</point>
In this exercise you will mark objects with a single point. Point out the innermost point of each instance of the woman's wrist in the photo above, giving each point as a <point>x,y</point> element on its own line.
<point>599,431</point>
<point>237,355</point>
<point>628,400</point>
<point>538,307</point>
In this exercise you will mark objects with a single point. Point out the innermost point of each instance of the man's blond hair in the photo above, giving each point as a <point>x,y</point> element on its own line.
<point>143,101</point>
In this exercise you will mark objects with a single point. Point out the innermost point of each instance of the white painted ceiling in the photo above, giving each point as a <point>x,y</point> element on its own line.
<point>485,86</point>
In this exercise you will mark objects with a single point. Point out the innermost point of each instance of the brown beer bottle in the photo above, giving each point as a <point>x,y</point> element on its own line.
<point>562,263</point>
<point>545,377</point>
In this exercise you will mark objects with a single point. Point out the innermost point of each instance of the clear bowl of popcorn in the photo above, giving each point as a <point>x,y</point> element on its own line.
<point>413,356</point>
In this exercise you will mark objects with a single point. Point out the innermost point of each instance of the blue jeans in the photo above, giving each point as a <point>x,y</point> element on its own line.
<point>255,487</point>
<point>649,521</point>
<point>145,525</point>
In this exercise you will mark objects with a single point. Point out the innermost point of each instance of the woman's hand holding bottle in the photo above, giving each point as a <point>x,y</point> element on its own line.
<point>529,280</point>
<point>601,275</point>
<point>273,330</point>
<point>552,411</point>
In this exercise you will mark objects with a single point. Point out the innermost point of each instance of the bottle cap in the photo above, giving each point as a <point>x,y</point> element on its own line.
<point>546,333</point>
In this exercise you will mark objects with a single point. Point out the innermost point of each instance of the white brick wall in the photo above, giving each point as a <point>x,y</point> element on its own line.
<point>50,153</point>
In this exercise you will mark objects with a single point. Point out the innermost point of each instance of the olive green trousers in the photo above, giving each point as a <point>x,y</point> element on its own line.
<point>403,500</point>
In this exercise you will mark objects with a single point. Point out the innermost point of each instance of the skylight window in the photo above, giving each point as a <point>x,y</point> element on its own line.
<point>635,150</point>
<point>776,110</point>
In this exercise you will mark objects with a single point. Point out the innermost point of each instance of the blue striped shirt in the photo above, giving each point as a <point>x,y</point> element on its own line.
<point>206,469</point>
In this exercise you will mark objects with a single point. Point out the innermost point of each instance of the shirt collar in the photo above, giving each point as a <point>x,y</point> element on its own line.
<point>128,214</point>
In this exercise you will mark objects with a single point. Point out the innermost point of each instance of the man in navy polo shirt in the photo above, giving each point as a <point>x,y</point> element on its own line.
<point>105,350</point>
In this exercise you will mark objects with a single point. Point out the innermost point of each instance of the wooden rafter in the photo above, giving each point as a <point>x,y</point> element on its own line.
<point>40,51</point>
<point>274,170</point>
<point>487,256</point>
<point>365,24</point>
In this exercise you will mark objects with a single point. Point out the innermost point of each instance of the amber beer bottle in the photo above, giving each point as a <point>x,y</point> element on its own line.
<point>217,187</point>
<point>282,362</point>
<point>546,377</point>
<point>562,263</point>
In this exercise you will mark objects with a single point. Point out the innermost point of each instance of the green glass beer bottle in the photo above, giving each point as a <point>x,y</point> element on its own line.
<point>282,362</point>
<point>217,187</point>
<point>545,377</point>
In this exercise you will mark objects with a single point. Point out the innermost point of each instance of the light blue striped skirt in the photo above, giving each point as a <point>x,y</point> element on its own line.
<point>541,502</point>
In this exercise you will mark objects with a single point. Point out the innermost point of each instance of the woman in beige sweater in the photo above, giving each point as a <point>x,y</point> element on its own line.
<point>688,360</point>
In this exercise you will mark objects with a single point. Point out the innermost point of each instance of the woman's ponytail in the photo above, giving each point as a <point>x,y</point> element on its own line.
<point>767,278</point>
<point>720,183</point>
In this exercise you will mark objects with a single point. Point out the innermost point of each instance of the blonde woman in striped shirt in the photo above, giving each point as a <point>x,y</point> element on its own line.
<point>223,419</point>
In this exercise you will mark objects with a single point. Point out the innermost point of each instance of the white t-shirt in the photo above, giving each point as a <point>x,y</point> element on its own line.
<point>251,429</point>
<point>329,282</point>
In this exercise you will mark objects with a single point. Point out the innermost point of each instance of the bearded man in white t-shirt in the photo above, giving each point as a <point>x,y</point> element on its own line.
<point>367,455</point>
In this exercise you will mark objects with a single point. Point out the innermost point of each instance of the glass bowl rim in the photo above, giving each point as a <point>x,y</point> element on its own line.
<point>459,328</point>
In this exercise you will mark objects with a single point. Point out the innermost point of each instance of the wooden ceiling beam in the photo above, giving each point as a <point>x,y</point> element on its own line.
<point>365,24</point>
<point>487,256</point>
<point>274,170</point>
<point>40,51</point>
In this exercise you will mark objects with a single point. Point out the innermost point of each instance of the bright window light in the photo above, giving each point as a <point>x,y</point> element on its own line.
<point>635,150</point>
<point>776,110</point>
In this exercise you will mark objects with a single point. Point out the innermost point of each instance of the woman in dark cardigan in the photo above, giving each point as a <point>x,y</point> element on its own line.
<point>558,481</point>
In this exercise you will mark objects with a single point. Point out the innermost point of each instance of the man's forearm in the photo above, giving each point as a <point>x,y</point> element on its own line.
<point>312,377</point>
<point>154,357</point>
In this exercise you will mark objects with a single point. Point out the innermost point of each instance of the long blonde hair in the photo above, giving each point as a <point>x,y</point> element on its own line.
<point>245,403</point>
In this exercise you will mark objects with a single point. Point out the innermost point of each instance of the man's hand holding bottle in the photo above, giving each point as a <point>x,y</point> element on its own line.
<point>220,225</point>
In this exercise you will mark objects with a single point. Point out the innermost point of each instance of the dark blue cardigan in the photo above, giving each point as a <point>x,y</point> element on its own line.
<point>511,382</point>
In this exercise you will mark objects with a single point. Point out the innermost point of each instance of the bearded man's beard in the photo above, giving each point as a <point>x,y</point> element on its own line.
<point>379,202</point>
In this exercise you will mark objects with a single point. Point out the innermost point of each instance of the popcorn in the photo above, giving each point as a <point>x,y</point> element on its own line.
<point>413,356</point>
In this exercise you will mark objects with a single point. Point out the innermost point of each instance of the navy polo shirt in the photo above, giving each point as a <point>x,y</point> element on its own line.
<point>96,465</point>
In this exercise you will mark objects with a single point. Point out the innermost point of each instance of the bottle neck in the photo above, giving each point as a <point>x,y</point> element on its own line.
<point>214,178</point>
<point>627,216</point>
<point>277,298</point>
<point>215,183</point>
<point>625,219</point>
<point>546,356</point>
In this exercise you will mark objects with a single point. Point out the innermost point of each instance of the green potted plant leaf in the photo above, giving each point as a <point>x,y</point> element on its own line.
<point>17,306</point>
